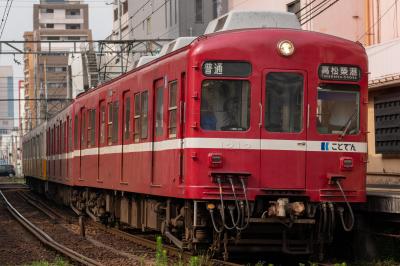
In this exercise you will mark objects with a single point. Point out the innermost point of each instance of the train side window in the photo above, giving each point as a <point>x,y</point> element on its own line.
<point>70,134</point>
<point>91,127</point>
<point>109,123</point>
<point>284,102</point>
<point>127,117</point>
<point>158,122</point>
<point>76,123</point>
<point>115,122</point>
<point>144,115</point>
<point>102,124</point>
<point>83,126</point>
<point>172,109</point>
<point>136,117</point>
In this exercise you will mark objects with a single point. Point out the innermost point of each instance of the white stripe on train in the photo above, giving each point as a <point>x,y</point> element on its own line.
<point>222,143</point>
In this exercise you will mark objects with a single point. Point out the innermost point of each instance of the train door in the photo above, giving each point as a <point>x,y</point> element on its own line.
<point>126,158</point>
<point>157,131</point>
<point>284,129</point>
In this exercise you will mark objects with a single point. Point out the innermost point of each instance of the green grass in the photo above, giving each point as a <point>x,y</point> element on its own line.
<point>57,262</point>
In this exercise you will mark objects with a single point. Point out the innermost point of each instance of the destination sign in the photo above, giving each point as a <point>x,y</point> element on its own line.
<point>339,72</point>
<point>226,69</point>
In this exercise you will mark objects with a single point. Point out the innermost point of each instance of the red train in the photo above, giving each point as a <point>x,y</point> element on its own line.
<point>248,138</point>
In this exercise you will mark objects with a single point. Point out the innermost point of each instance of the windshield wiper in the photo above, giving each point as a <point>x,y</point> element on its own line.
<point>347,124</point>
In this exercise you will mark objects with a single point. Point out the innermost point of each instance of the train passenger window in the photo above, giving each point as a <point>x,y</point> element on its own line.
<point>76,123</point>
<point>109,123</point>
<point>83,122</point>
<point>127,116</point>
<point>225,105</point>
<point>172,109</point>
<point>102,124</point>
<point>144,114</point>
<point>338,107</point>
<point>115,122</point>
<point>284,102</point>
<point>158,122</point>
<point>92,127</point>
<point>70,134</point>
<point>136,117</point>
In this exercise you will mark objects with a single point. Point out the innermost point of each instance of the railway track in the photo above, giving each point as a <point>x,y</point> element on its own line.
<point>147,244</point>
<point>13,186</point>
<point>46,239</point>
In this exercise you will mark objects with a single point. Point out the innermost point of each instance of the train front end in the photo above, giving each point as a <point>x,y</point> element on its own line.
<point>275,138</point>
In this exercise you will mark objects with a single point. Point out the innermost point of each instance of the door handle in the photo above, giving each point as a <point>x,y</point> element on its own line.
<point>301,143</point>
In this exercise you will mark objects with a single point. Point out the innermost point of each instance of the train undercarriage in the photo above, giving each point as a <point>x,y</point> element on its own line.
<point>285,223</point>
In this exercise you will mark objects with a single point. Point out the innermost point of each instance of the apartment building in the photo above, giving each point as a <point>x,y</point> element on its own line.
<point>46,70</point>
<point>6,93</point>
<point>153,20</point>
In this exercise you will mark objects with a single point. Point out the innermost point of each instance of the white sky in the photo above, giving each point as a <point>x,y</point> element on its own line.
<point>20,19</point>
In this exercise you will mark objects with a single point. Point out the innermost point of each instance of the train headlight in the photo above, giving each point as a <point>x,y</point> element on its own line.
<point>286,48</point>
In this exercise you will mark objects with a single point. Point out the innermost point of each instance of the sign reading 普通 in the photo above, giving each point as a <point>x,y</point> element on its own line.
<point>339,72</point>
<point>226,69</point>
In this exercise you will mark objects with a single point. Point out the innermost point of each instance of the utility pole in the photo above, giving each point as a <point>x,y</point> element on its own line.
<point>120,34</point>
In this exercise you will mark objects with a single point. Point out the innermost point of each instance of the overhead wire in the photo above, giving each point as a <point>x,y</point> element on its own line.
<point>5,21</point>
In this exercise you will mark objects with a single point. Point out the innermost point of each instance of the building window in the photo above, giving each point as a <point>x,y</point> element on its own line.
<point>72,26</point>
<point>56,85</point>
<point>73,38</point>
<point>148,24</point>
<point>73,12</point>
<point>53,38</point>
<point>116,14</point>
<point>56,69</point>
<point>47,10</point>
<point>125,7</point>
<point>294,7</point>
<point>199,11</point>
<point>176,11</point>
<point>215,8</point>
<point>387,123</point>
<point>49,26</point>
<point>170,13</point>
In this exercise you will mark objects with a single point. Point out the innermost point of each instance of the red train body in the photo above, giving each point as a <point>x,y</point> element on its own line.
<point>228,119</point>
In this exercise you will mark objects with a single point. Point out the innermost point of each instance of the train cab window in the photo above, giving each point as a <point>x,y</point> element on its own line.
<point>158,121</point>
<point>172,109</point>
<point>338,107</point>
<point>225,105</point>
<point>284,102</point>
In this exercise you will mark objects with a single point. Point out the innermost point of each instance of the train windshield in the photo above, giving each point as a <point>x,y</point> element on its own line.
<point>225,105</point>
<point>338,109</point>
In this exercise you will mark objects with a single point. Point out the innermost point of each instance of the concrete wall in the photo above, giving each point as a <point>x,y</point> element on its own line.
<point>6,92</point>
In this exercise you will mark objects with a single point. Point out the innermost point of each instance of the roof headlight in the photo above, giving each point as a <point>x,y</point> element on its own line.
<point>286,48</point>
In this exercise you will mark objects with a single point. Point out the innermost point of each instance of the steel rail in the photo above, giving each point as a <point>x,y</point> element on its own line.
<point>127,236</point>
<point>46,239</point>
